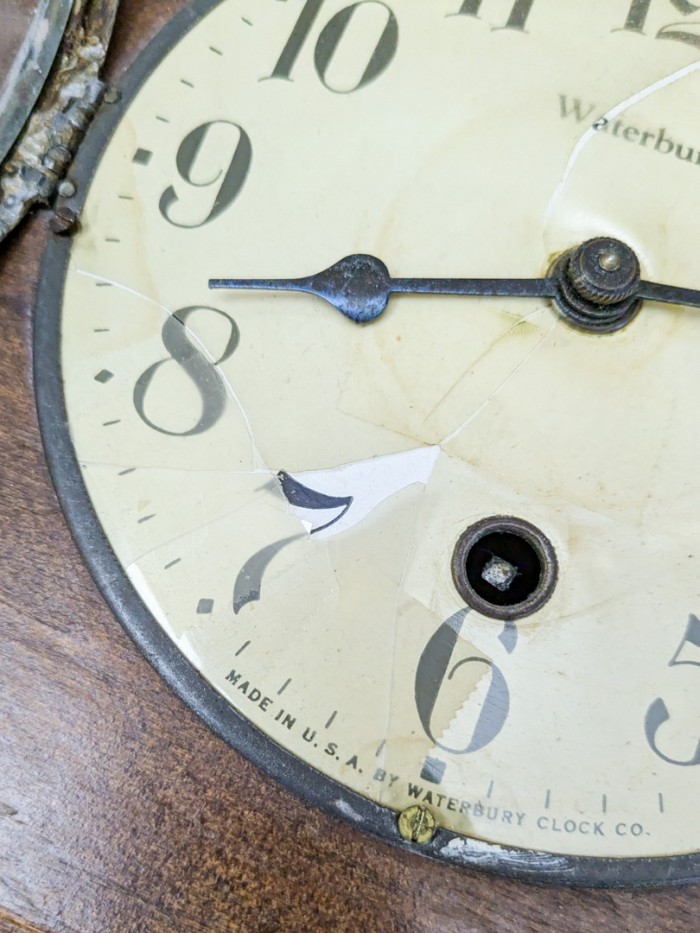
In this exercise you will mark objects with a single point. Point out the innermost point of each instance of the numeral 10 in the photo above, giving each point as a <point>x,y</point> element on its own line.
<point>331,37</point>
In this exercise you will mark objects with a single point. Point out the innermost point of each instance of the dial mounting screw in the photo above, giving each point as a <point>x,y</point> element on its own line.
<point>64,221</point>
<point>417,824</point>
<point>67,188</point>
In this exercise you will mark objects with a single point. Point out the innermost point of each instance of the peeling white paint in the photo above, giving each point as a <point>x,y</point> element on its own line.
<point>470,851</point>
<point>343,807</point>
<point>368,482</point>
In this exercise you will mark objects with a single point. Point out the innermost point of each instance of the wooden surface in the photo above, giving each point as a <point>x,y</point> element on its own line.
<point>119,810</point>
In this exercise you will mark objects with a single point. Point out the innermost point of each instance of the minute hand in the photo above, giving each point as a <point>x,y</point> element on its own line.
<point>669,294</point>
<point>359,286</point>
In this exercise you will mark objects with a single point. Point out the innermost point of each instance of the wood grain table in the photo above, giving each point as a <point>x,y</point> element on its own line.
<point>119,810</point>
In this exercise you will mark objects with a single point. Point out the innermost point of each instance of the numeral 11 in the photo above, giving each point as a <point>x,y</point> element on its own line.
<point>516,20</point>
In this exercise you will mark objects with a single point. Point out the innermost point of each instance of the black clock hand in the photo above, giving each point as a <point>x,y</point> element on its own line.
<point>669,294</point>
<point>596,286</point>
<point>359,286</point>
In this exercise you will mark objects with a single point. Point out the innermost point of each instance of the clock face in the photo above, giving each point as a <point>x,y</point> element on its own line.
<point>445,560</point>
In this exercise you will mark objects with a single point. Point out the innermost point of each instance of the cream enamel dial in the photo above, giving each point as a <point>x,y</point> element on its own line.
<point>284,489</point>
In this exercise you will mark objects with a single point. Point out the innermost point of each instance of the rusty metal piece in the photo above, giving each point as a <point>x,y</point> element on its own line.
<point>417,824</point>
<point>57,159</point>
<point>44,151</point>
<point>29,40</point>
<point>112,96</point>
<point>67,189</point>
<point>63,221</point>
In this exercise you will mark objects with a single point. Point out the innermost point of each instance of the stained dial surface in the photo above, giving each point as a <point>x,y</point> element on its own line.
<point>285,489</point>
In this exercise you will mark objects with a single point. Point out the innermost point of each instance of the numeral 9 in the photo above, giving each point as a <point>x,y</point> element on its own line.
<point>197,151</point>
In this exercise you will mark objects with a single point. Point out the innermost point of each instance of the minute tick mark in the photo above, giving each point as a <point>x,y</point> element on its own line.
<point>142,156</point>
<point>433,770</point>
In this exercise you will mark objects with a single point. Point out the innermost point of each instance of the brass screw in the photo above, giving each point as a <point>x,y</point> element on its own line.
<point>417,824</point>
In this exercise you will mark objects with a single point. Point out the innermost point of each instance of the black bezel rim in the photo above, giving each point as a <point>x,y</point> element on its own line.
<point>312,786</point>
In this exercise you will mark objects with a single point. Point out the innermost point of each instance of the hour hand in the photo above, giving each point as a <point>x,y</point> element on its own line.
<point>360,286</point>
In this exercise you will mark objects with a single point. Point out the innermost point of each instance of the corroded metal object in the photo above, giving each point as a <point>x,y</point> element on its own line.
<point>43,151</point>
<point>30,34</point>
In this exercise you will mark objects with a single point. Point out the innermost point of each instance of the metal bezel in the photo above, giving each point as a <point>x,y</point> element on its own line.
<point>313,787</point>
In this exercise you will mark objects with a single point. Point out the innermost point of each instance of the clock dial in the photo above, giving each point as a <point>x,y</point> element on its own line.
<point>445,559</point>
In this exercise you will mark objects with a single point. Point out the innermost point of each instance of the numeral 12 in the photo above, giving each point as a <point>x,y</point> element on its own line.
<point>682,32</point>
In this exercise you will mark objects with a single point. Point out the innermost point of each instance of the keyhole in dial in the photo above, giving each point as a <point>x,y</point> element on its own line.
<point>504,567</point>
